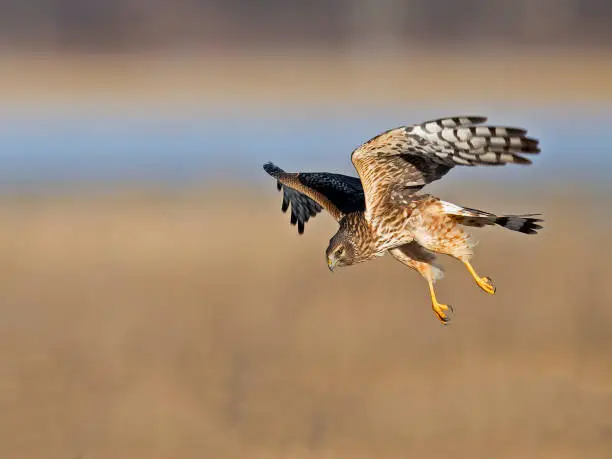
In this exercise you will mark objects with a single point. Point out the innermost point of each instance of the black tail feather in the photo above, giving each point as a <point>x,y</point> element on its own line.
<point>521,223</point>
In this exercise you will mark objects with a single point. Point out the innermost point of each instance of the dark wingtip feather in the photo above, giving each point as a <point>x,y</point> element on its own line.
<point>517,159</point>
<point>477,119</point>
<point>301,227</point>
<point>272,169</point>
<point>515,132</point>
<point>529,145</point>
<point>471,119</point>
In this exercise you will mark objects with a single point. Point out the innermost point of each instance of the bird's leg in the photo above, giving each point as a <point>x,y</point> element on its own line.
<point>416,257</point>
<point>438,308</point>
<point>484,283</point>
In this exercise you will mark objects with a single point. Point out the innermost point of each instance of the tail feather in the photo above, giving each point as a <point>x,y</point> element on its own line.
<point>521,223</point>
<point>526,223</point>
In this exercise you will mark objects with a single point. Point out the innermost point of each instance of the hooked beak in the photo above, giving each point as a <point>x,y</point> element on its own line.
<point>331,264</point>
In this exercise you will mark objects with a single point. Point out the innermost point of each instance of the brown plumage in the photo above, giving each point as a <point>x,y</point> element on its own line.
<point>382,211</point>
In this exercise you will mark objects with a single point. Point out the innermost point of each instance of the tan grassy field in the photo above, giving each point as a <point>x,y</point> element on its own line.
<point>143,325</point>
<point>308,78</point>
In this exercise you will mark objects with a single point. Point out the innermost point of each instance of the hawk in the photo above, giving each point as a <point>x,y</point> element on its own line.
<point>382,211</point>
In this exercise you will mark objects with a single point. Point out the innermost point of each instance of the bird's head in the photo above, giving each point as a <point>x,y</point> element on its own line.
<point>341,250</point>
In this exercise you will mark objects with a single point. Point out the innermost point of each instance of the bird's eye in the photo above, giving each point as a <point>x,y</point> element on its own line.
<point>339,252</point>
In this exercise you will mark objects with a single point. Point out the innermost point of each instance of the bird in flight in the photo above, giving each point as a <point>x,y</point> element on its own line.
<point>383,210</point>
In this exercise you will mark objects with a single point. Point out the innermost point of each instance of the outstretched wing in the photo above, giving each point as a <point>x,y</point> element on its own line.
<point>401,161</point>
<point>309,192</point>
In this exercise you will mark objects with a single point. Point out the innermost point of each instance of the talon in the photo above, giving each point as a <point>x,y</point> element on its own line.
<point>439,311</point>
<point>486,284</point>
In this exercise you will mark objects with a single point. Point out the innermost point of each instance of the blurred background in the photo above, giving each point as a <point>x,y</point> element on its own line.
<point>155,301</point>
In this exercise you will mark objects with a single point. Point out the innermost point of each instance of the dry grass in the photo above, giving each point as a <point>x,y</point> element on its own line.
<point>290,77</point>
<point>151,326</point>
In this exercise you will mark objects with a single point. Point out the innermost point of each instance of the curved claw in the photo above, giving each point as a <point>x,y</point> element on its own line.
<point>486,284</point>
<point>443,312</point>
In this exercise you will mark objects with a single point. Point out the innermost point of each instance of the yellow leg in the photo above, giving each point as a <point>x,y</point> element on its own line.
<point>484,283</point>
<point>438,308</point>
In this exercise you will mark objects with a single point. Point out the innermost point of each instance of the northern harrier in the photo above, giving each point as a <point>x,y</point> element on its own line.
<point>382,211</point>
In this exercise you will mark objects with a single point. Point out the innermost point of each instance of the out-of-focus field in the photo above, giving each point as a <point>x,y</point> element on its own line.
<point>188,81</point>
<point>144,325</point>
